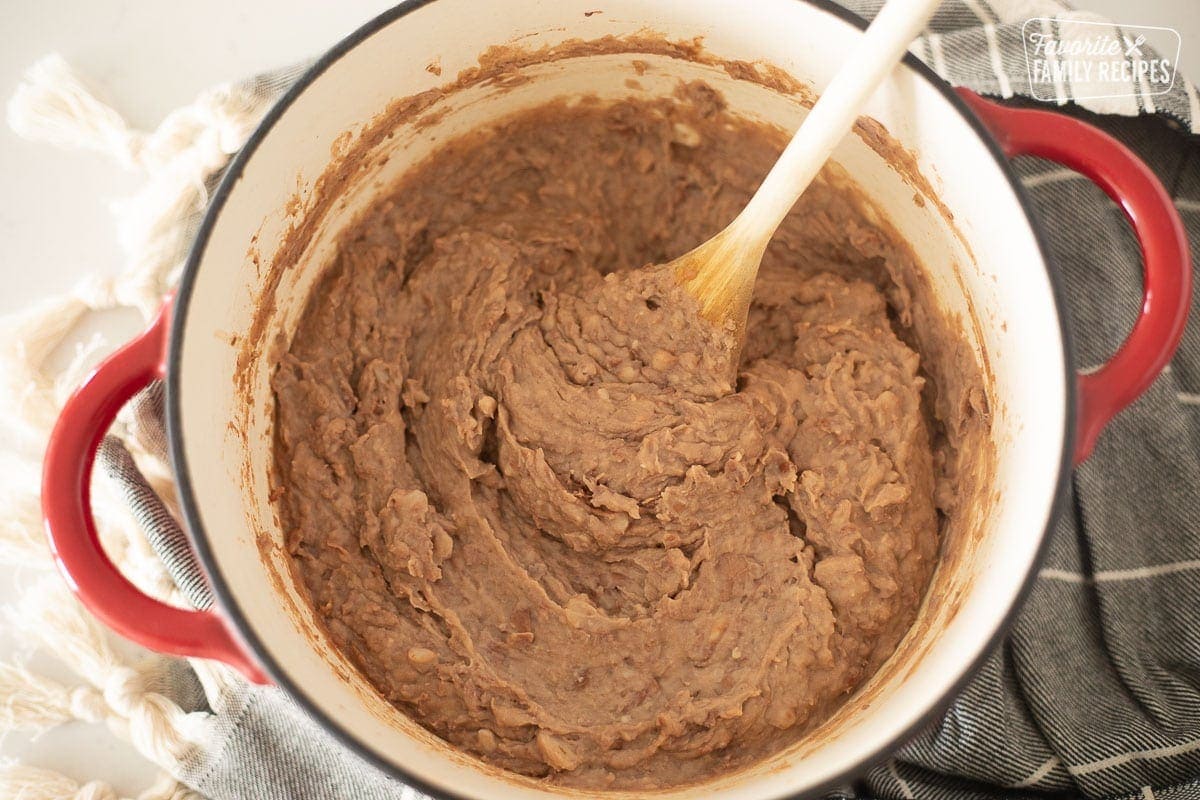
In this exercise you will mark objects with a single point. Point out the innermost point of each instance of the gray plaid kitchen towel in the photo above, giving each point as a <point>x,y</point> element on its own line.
<point>1096,691</point>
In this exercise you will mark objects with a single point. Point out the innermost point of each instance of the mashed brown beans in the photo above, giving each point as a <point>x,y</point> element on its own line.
<point>535,502</point>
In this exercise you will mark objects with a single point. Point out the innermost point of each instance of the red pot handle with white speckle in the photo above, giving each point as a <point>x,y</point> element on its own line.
<point>1167,270</point>
<point>66,507</point>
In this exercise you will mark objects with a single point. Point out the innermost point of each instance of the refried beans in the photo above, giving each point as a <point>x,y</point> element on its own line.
<point>534,501</point>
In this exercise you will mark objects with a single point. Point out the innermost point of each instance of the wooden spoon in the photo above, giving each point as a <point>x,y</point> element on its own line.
<point>720,273</point>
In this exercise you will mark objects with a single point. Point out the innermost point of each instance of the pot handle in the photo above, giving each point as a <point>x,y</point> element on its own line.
<point>1167,271</point>
<point>66,508</point>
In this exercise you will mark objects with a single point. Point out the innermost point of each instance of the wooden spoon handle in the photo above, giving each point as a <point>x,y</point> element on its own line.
<point>872,58</point>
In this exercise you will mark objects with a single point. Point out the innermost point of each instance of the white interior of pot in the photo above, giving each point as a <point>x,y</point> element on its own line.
<point>1005,279</point>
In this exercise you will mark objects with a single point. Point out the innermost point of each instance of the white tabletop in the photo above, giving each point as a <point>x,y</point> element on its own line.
<point>147,58</point>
